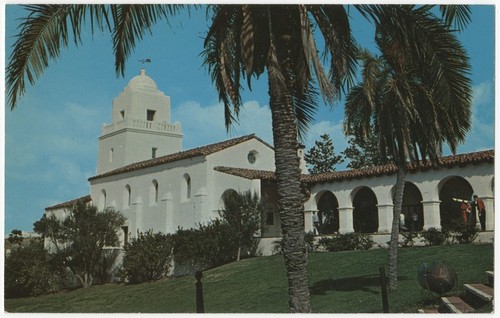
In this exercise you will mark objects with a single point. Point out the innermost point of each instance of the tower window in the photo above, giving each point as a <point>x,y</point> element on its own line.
<point>150,115</point>
<point>153,152</point>
<point>122,113</point>
<point>111,154</point>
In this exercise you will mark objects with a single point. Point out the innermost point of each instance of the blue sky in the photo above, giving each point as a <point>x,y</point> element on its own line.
<point>52,136</point>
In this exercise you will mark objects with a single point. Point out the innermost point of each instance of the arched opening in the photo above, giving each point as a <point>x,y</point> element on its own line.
<point>452,190</point>
<point>227,195</point>
<point>127,196</point>
<point>186,188</point>
<point>365,213</point>
<point>102,201</point>
<point>153,193</point>
<point>328,213</point>
<point>412,208</point>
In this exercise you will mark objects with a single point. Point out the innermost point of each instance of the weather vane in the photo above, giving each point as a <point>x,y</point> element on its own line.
<point>145,61</point>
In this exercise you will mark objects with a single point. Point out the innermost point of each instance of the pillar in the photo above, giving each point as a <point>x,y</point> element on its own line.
<point>345,220</point>
<point>385,213</point>
<point>166,205</point>
<point>308,222</point>
<point>432,217</point>
<point>489,205</point>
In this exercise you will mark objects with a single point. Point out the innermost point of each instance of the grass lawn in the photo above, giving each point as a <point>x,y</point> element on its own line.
<point>342,282</point>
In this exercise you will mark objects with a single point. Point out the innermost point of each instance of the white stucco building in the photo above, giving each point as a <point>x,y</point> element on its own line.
<point>143,172</point>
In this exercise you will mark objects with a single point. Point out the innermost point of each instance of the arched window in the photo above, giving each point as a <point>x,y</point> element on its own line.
<point>127,196</point>
<point>102,200</point>
<point>153,193</point>
<point>186,188</point>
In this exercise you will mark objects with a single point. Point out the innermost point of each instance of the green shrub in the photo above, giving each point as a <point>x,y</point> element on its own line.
<point>408,238</point>
<point>310,243</point>
<point>29,271</point>
<point>205,247</point>
<point>347,242</point>
<point>434,237</point>
<point>277,248</point>
<point>466,233</point>
<point>147,257</point>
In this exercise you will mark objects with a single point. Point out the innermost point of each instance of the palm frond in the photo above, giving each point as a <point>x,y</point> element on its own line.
<point>305,106</point>
<point>42,33</point>
<point>131,21</point>
<point>457,15</point>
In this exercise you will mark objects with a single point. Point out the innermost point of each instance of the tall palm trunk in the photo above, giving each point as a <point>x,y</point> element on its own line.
<point>393,246</point>
<point>289,198</point>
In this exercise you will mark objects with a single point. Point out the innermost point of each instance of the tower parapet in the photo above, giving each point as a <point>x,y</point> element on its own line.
<point>140,127</point>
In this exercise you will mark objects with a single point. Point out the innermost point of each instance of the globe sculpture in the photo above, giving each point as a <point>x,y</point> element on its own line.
<point>436,277</point>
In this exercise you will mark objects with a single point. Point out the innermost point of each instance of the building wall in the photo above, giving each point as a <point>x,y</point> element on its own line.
<point>429,183</point>
<point>172,207</point>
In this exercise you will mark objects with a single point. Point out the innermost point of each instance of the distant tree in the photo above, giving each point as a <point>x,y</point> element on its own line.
<point>242,212</point>
<point>321,157</point>
<point>364,151</point>
<point>16,237</point>
<point>78,239</point>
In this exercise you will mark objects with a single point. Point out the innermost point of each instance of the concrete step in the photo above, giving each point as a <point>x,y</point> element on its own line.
<point>456,305</point>
<point>491,278</point>
<point>480,291</point>
<point>428,311</point>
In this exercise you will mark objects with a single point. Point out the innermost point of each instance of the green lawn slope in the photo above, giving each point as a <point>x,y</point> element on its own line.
<point>342,282</point>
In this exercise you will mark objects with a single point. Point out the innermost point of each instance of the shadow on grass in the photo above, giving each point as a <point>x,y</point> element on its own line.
<point>365,283</point>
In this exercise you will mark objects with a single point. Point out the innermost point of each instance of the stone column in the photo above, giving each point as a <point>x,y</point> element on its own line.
<point>345,220</point>
<point>432,217</point>
<point>166,206</point>
<point>385,212</point>
<point>489,205</point>
<point>308,222</point>
<point>137,206</point>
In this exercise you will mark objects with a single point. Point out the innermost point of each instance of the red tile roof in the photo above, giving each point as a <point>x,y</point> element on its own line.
<point>187,154</point>
<point>448,162</point>
<point>68,204</point>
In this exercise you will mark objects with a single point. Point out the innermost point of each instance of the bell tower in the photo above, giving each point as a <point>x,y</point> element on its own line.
<point>140,127</point>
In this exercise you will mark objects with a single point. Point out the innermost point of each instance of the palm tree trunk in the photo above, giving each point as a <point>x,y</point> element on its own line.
<point>393,245</point>
<point>290,198</point>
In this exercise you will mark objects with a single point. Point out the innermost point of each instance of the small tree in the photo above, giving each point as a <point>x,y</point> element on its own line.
<point>78,240</point>
<point>364,152</point>
<point>242,212</point>
<point>16,237</point>
<point>321,157</point>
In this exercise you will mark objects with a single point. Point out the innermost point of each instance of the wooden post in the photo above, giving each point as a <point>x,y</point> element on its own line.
<point>200,306</point>
<point>383,286</point>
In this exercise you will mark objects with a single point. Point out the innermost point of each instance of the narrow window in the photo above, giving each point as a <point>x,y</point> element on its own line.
<point>153,198</point>
<point>122,113</point>
<point>186,188</point>
<point>150,116</point>
<point>111,154</point>
<point>125,235</point>
<point>127,196</point>
<point>102,200</point>
<point>153,152</point>
<point>269,218</point>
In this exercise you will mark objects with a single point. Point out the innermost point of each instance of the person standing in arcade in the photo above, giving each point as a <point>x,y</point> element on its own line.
<point>479,205</point>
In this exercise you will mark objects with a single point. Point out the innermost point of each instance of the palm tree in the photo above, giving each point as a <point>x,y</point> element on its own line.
<point>247,40</point>
<point>416,97</point>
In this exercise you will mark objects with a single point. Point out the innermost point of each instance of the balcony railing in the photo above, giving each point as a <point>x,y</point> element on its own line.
<point>140,124</point>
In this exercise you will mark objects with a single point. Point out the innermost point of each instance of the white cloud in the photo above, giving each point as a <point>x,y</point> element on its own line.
<point>482,94</point>
<point>202,125</point>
